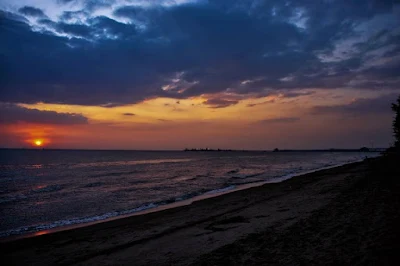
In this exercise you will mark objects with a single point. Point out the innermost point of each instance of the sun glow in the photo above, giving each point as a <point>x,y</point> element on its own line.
<point>38,142</point>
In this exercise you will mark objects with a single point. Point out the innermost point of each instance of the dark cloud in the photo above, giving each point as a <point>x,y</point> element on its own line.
<point>246,47</point>
<point>93,5</point>
<point>130,12</point>
<point>219,102</point>
<point>31,11</point>
<point>90,5</point>
<point>74,29</point>
<point>111,27</point>
<point>65,1</point>
<point>295,94</point>
<point>69,15</point>
<point>262,103</point>
<point>95,28</point>
<point>128,114</point>
<point>10,113</point>
<point>361,106</point>
<point>278,120</point>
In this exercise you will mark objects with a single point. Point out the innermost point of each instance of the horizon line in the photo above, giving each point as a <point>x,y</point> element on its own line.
<point>197,149</point>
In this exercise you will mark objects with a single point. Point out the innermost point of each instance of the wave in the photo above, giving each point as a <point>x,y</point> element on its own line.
<point>125,163</point>
<point>243,176</point>
<point>25,178</point>
<point>9,199</point>
<point>108,215</point>
<point>232,171</point>
<point>220,190</point>
<point>92,164</point>
<point>292,174</point>
<point>184,178</point>
<point>95,184</point>
<point>73,221</point>
<point>44,189</point>
<point>111,174</point>
<point>37,190</point>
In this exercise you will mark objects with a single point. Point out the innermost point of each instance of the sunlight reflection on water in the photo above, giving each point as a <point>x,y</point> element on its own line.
<point>126,163</point>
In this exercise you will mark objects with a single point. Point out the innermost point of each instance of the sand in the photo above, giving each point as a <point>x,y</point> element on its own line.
<point>345,215</point>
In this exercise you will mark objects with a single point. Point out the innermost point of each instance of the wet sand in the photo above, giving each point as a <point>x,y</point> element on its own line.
<point>346,214</point>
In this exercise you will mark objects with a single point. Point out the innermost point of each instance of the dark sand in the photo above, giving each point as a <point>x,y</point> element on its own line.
<point>348,215</point>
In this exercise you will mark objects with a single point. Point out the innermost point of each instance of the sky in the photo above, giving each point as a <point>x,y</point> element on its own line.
<point>165,74</point>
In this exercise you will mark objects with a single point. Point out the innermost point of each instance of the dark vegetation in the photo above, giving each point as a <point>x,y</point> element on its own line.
<point>363,149</point>
<point>395,149</point>
<point>396,123</point>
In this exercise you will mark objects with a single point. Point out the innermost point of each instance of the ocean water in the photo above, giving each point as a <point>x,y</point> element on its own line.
<point>45,189</point>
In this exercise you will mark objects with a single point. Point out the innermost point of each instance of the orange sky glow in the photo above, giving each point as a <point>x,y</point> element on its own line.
<point>165,123</point>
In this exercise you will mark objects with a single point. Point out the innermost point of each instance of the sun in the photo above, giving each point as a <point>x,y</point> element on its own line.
<point>38,142</point>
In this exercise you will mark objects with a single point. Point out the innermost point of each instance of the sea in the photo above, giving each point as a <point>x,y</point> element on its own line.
<point>43,190</point>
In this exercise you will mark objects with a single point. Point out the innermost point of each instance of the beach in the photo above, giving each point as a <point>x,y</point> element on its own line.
<point>199,133</point>
<point>343,215</point>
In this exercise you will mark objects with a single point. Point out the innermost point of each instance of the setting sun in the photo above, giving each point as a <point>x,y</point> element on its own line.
<point>38,142</point>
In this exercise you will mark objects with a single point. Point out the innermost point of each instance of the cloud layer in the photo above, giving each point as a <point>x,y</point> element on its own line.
<point>361,106</point>
<point>10,113</point>
<point>113,53</point>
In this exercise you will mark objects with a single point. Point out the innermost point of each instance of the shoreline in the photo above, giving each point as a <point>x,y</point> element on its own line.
<point>347,215</point>
<point>180,235</point>
<point>157,206</point>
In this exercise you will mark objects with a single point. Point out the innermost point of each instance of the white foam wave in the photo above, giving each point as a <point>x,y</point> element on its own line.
<point>74,221</point>
<point>220,190</point>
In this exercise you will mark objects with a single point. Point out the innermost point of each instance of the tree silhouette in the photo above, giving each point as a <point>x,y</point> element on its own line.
<point>396,123</point>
